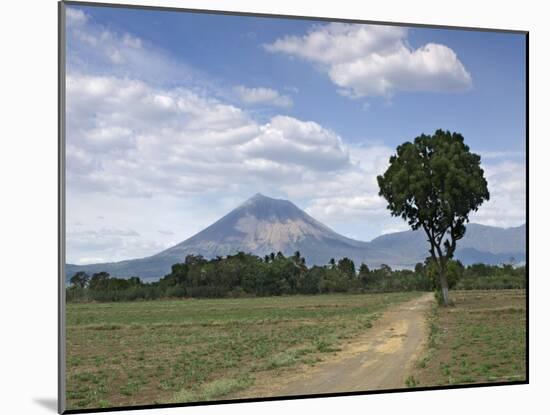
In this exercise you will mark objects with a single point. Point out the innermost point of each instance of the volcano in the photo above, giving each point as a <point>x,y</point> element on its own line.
<point>262,225</point>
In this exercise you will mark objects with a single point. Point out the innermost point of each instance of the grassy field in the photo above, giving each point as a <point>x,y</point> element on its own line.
<point>480,339</point>
<point>164,351</point>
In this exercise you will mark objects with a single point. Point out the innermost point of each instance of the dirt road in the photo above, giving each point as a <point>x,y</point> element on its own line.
<point>382,358</point>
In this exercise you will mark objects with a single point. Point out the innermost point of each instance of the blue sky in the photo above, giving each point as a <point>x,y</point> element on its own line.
<point>182,116</point>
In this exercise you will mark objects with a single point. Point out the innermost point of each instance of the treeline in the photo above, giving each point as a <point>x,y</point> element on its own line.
<point>491,277</point>
<point>243,275</point>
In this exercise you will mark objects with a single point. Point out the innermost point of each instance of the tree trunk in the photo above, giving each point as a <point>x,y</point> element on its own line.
<point>444,286</point>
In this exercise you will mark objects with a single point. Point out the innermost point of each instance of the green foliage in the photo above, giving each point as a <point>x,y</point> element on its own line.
<point>246,275</point>
<point>80,280</point>
<point>363,275</point>
<point>99,281</point>
<point>385,280</point>
<point>333,281</point>
<point>309,283</point>
<point>347,267</point>
<point>487,277</point>
<point>435,181</point>
<point>455,271</point>
<point>411,382</point>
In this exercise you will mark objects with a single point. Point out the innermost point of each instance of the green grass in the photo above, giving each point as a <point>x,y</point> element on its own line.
<point>194,350</point>
<point>478,340</point>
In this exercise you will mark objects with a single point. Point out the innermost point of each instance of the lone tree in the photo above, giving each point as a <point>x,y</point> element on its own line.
<point>434,184</point>
<point>80,279</point>
<point>346,266</point>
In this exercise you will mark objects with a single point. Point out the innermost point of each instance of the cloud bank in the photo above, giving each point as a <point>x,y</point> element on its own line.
<point>129,138</point>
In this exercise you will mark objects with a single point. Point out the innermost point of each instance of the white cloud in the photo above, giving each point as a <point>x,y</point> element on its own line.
<point>338,42</point>
<point>286,140</point>
<point>127,244</point>
<point>349,195</point>
<point>126,137</point>
<point>503,155</point>
<point>75,17</point>
<point>347,207</point>
<point>374,60</point>
<point>165,232</point>
<point>268,96</point>
<point>507,187</point>
<point>96,49</point>
<point>131,41</point>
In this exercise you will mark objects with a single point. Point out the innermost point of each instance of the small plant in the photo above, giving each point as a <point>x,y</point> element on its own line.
<point>411,382</point>
<point>104,403</point>
<point>324,346</point>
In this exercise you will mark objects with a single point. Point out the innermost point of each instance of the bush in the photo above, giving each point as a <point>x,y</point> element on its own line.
<point>492,282</point>
<point>177,291</point>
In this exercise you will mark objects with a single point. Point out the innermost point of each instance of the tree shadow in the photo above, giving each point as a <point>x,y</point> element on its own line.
<point>48,403</point>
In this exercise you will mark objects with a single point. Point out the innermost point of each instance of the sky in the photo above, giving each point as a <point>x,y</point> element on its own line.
<point>175,118</point>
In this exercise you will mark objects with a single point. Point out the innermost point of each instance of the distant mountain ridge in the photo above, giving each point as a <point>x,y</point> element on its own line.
<point>481,243</point>
<point>262,225</point>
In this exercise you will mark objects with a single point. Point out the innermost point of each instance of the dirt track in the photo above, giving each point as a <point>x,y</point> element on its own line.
<point>382,358</point>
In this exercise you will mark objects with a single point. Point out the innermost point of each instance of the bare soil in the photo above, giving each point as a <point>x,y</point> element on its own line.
<point>381,358</point>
